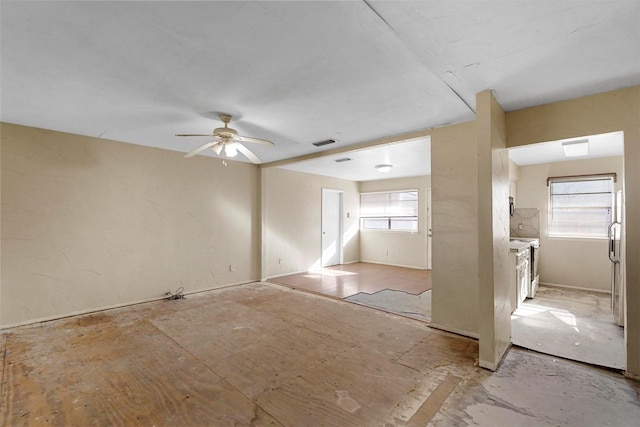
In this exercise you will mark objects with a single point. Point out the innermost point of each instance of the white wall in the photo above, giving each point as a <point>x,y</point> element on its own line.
<point>581,263</point>
<point>292,213</point>
<point>395,247</point>
<point>89,223</point>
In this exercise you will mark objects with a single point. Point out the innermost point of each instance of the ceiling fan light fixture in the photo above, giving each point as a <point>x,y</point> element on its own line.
<point>230,149</point>
<point>217,148</point>
<point>576,148</point>
<point>384,168</point>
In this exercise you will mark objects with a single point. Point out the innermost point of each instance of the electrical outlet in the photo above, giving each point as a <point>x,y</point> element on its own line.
<point>279,260</point>
<point>520,226</point>
<point>386,251</point>
<point>232,267</point>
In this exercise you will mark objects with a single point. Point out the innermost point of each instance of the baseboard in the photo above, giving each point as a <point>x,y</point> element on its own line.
<point>633,377</point>
<point>283,274</point>
<point>578,288</point>
<point>453,330</point>
<point>111,307</point>
<point>393,265</point>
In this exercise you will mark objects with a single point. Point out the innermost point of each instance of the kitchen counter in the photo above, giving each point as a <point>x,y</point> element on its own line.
<point>518,245</point>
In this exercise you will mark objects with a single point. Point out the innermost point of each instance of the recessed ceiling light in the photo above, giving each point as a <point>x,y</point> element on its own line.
<point>576,148</point>
<point>384,168</point>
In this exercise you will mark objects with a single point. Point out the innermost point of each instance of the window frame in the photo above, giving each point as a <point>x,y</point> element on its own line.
<point>560,229</point>
<point>391,218</point>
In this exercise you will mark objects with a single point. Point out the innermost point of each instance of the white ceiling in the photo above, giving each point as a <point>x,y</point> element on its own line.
<point>603,145</point>
<point>301,72</point>
<point>408,158</point>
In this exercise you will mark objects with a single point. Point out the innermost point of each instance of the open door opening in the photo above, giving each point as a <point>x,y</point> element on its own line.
<point>578,309</point>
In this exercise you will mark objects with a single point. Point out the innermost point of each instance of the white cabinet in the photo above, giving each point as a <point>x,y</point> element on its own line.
<point>520,273</point>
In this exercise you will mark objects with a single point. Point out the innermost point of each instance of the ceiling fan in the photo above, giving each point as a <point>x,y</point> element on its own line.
<point>227,140</point>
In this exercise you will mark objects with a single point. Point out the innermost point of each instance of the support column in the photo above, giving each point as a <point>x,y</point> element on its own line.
<point>493,231</point>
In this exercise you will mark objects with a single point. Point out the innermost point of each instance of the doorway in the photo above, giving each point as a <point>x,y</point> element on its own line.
<point>332,225</point>
<point>570,316</point>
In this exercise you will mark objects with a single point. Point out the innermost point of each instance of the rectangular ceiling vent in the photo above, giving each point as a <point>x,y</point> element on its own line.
<point>325,142</point>
<point>344,159</point>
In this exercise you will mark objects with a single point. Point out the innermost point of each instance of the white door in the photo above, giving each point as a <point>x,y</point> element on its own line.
<point>331,227</point>
<point>428,230</point>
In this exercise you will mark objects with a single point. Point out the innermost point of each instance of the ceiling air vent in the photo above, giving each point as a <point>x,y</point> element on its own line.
<point>344,159</point>
<point>325,142</point>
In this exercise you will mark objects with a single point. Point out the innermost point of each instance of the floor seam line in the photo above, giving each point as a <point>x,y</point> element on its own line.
<point>215,373</point>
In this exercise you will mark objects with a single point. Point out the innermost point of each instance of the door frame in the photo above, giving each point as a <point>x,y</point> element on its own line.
<point>428,227</point>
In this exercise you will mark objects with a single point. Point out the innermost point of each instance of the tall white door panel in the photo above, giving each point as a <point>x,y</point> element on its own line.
<point>331,227</point>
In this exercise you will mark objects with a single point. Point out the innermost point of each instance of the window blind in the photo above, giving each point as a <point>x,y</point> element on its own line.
<point>580,207</point>
<point>396,210</point>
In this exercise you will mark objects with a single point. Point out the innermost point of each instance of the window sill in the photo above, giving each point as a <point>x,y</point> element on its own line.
<point>578,238</point>
<point>367,230</point>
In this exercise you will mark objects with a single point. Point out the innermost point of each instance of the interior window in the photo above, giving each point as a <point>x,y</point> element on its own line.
<point>395,210</point>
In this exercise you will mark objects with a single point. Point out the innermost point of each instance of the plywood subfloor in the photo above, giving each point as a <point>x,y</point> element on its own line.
<point>261,354</point>
<point>343,281</point>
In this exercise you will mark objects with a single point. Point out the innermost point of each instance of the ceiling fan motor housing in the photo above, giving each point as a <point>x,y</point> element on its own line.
<point>225,132</point>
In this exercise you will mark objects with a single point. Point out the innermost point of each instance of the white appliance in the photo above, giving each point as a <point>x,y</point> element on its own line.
<point>616,257</point>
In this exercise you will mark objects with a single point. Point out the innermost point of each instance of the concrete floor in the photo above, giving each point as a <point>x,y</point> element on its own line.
<point>263,354</point>
<point>569,323</point>
<point>399,302</point>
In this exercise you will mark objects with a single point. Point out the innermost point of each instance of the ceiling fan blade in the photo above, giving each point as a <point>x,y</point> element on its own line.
<point>201,148</point>
<point>194,134</point>
<point>248,154</point>
<point>255,140</point>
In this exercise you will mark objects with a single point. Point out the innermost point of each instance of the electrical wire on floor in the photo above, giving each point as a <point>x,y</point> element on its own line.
<point>169,296</point>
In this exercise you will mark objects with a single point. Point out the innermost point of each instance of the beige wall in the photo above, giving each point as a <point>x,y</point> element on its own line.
<point>89,223</point>
<point>580,263</point>
<point>494,266</point>
<point>292,203</point>
<point>606,112</point>
<point>404,249</point>
<point>454,175</point>
<point>514,176</point>
<point>1,204</point>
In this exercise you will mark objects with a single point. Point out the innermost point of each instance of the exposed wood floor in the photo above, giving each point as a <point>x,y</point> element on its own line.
<point>262,354</point>
<point>343,281</point>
